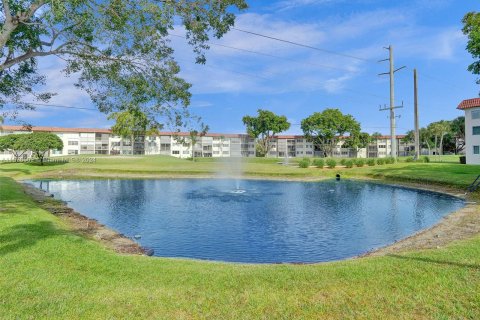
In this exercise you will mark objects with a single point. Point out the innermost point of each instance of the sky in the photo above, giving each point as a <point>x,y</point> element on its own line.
<point>246,72</point>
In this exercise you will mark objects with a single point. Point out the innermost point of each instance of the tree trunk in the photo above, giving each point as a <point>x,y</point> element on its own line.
<point>428,146</point>
<point>441,144</point>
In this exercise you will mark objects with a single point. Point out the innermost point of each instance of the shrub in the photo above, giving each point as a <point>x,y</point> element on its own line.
<point>409,159</point>
<point>343,161</point>
<point>304,163</point>
<point>331,163</point>
<point>371,162</point>
<point>349,163</point>
<point>390,160</point>
<point>380,161</point>
<point>319,163</point>
<point>426,159</point>
<point>360,162</point>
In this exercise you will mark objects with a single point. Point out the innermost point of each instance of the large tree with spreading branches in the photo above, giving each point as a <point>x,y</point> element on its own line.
<point>326,128</point>
<point>264,127</point>
<point>119,49</point>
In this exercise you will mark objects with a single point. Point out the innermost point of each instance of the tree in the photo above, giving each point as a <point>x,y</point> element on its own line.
<point>133,123</point>
<point>426,139</point>
<point>264,127</point>
<point>120,48</point>
<point>376,135</point>
<point>471,28</point>
<point>39,143</point>
<point>458,131</point>
<point>195,128</point>
<point>438,130</point>
<point>10,143</point>
<point>325,128</point>
<point>358,141</point>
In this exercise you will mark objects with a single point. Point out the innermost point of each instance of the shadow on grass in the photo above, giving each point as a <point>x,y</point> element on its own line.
<point>22,236</point>
<point>442,262</point>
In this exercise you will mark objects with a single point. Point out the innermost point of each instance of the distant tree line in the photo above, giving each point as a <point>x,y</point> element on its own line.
<point>327,128</point>
<point>441,137</point>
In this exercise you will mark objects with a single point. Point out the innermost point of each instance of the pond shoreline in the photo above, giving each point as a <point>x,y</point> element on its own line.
<point>461,224</point>
<point>83,225</point>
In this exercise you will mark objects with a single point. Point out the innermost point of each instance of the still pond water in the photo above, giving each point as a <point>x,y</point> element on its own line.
<point>256,221</point>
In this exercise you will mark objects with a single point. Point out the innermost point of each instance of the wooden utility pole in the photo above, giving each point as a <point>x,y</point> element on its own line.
<point>391,73</point>
<point>417,128</point>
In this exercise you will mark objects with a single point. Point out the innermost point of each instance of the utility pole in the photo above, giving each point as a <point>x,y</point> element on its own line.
<point>417,132</point>
<point>391,73</point>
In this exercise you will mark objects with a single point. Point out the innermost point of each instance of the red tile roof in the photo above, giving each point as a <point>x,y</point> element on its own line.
<point>55,129</point>
<point>93,130</point>
<point>400,136</point>
<point>469,103</point>
<point>96,130</point>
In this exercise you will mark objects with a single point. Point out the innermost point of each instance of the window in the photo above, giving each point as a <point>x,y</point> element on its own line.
<point>476,149</point>
<point>476,131</point>
<point>175,152</point>
<point>475,114</point>
<point>73,143</point>
<point>165,147</point>
<point>70,152</point>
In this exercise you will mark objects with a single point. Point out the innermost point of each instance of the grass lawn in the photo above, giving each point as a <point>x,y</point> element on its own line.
<point>48,271</point>
<point>445,173</point>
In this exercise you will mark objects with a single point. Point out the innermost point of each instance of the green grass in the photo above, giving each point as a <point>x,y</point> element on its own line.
<point>444,173</point>
<point>49,272</point>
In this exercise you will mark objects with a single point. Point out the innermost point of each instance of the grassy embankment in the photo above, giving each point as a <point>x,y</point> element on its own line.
<point>446,173</point>
<point>48,271</point>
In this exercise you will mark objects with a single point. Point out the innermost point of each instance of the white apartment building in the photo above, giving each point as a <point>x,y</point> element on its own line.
<point>83,141</point>
<point>297,146</point>
<point>472,129</point>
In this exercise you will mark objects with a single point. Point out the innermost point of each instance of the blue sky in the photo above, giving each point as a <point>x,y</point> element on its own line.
<point>296,81</point>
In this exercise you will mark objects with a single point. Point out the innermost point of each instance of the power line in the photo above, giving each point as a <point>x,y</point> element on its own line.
<point>48,105</point>
<point>292,60</point>
<point>270,55</point>
<point>304,45</point>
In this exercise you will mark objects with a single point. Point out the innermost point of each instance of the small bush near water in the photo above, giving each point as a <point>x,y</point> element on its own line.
<point>319,163</point>
<point>331,163</point>
<point>371,162</point>
<point>360,162</point>
<point>390,160</point>
<point>304,163</point>
<point>349,163</point>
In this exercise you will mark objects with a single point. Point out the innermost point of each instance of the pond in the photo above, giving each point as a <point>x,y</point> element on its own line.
<point>255,221</point>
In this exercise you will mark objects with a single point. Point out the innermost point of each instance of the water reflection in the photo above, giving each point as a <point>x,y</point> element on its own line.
<point>269,222</point>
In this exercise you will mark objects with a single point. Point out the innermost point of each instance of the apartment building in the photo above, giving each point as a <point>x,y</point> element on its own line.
<point>85,141</point>
<point>471,107</point>
<point>297,146</point>
<point>78,141</point>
